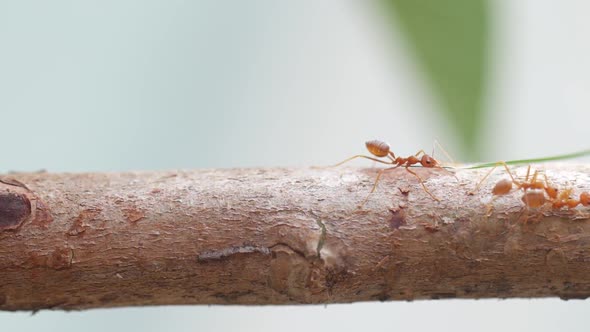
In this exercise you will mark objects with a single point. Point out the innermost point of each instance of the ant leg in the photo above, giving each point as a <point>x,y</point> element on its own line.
<point>422,183</point>
<point>446,170</point>
<point>500,163</point>
<point>549,190</point>
<point>528,172</point>
<point>526,215</point>
<point>532,180</point>
<point>376,182</point>
<point>419,153</point>
<point>490,206</point>
<point>391,156</point>
<point>481,182</point>
<point>361,156</point>
<point>535,176</point>
<point>510,173</point>
<point>546,180</point>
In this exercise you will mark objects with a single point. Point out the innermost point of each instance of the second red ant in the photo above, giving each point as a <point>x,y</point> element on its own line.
<point>537,193</point>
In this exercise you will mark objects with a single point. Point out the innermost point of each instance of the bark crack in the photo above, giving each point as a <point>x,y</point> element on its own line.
<point>322,238</point>
<point>226,252</point>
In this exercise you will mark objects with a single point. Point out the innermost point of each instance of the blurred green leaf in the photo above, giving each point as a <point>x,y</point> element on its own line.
<point>450,40</point>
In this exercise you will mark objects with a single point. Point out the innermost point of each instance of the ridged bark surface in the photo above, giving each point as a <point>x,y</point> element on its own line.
<point>281,236</point>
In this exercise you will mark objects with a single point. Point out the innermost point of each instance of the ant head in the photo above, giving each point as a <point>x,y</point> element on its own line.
<point>428,161</point>
<point>551,192</point>
<point>378,148</point>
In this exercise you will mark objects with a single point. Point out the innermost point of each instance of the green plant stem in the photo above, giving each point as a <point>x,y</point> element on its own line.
<point>533,160</point>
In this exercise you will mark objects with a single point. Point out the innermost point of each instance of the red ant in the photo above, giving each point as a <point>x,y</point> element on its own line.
<point>381,149</point>
<point>536,199</point>
<point>504,186</point>
<point>534,189</point>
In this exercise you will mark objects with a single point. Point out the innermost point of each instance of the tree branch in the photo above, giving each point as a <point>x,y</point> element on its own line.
<point>278,236</point>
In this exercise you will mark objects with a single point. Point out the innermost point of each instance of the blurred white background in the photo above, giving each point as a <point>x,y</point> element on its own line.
<point>122,85</point>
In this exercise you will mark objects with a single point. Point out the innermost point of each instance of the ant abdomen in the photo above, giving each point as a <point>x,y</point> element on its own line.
<point>378,148</point>
<point>503,187</point>
<point>534,198</point>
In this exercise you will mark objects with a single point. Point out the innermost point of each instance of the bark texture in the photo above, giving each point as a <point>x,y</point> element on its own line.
<point>278,236</point>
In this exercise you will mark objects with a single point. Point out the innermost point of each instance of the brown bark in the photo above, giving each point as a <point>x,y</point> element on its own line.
<point>277,236</point>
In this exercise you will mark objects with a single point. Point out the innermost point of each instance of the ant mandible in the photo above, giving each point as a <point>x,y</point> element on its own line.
<point>381,149</point>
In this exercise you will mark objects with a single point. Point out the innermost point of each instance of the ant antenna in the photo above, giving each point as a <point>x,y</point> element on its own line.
<point>435,143</point>
<point>499,163</point>
<point>379,174</point>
